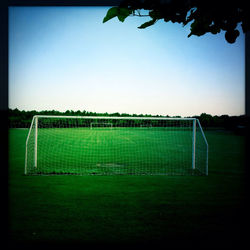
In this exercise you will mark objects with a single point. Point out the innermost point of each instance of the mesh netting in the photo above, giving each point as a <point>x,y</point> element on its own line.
<point>115,146</point>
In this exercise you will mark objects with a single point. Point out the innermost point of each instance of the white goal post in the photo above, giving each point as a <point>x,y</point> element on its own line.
<point>70,145</point>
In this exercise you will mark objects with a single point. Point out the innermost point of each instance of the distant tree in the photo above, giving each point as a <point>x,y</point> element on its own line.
<point>206,119</point>
<point>204,15</point>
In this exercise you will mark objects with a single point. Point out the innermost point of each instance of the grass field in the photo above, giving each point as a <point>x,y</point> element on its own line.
<point>126,209</point>
<point>105,151</point>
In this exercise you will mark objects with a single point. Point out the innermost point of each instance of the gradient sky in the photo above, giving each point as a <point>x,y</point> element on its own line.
<point>65,58</point>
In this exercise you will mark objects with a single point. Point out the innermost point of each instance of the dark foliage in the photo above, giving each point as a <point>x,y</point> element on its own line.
<point>239,124</point>
<point>204,16</point>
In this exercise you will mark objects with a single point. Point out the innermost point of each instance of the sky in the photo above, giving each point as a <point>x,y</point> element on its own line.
<point>65,58</point>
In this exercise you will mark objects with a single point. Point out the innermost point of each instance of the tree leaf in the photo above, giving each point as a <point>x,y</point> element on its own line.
<point>155,14</point>
<point>112,12</point>
<point>123,13</point>
<point>231,35</point>
<point>149,23</point>
<point>214,29</point>
<point>198,28</point>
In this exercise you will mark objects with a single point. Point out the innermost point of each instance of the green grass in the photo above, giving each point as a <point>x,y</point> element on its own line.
<point>128,209</point>
<point>118,150</point>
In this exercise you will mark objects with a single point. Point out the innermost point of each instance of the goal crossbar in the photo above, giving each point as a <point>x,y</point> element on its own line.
<point>115,117</point>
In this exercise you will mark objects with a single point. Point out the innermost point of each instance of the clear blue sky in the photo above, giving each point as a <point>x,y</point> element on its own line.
<point>65,58</point>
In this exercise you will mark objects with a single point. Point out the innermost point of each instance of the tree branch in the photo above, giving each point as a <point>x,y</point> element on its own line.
<point>139,15</point>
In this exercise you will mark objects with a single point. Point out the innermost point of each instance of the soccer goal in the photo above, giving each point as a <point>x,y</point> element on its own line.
<point>70,145</point>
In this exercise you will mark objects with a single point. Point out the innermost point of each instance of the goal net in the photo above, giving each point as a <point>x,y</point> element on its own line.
<point>100,125</point>
<point>72,145</point>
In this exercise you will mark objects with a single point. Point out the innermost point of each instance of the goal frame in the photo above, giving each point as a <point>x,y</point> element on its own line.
<point>196,123</point>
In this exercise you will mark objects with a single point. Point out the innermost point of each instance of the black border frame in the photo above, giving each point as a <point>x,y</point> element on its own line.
<point>4,102</point>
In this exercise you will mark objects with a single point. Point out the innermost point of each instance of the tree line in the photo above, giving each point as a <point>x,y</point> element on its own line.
<point>22,119</point>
